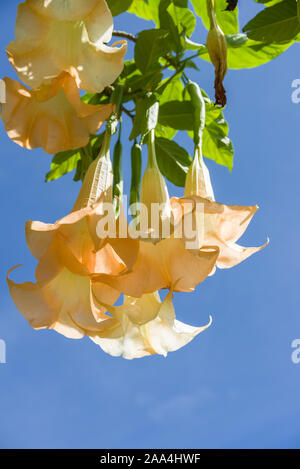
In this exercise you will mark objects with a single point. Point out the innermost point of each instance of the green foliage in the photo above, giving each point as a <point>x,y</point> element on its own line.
<point>150,46</point>
<point>227,20</point>
<point>275,24</point>
<point>63,163</point>
<point>173,160</point>
<point>176,114</point>
<point>148,10</point>
<point>118,6</point>
<point>158,94</point>
<point>146,116</point>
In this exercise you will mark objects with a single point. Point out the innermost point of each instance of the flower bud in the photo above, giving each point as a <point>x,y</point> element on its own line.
<point>198,181</point>
<point>154,197</point>
<point>98,179</point>
<point>217,49</point>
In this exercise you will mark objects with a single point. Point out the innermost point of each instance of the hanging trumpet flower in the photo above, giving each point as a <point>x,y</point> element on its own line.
<point>146,326</point>
<point>65,298</point>
<point>223,224</point>
<point>52,117</point>
<point>54,37</point>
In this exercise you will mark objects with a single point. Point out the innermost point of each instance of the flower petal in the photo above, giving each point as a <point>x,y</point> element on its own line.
<point>146,276</point>
<point>67,10</point>
<point>54,36</point>
<point>223,226</point>
<point>160,335</point>
<point>35,302</point>
<point>232,254</point>
<point>39,237</point>
<point>184,269</point>
<point>166,334</point>
<point>62,304</point>
<point>53,118</point>
<point>162,265</point>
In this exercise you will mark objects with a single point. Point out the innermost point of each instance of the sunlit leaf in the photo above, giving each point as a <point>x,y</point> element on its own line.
<point>275,24</point>
<point>173,160</point>
<point>227,20</point>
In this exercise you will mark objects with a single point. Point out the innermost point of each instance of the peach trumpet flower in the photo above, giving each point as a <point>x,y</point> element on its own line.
<point>52,117</point>
<point>161,261</point>
<point>64,298</point>
<point>145,326</point>
<point>52,36</point>
<point>223,225</point>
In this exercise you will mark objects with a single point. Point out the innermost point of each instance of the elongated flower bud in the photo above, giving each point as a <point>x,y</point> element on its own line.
<point>154,195</point>
<point>136,174</point>
<point>198,181</point>
<point>217,49</point>
<point>98,179</point>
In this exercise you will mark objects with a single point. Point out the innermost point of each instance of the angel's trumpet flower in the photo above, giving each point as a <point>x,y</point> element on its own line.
<point>52,117</point>
<point>53,36</point>
<point>163,259</point>
<point>64,297</point>
<point>223,224</point>
<point>145,326</point>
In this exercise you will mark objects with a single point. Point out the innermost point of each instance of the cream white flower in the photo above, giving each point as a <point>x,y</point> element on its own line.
<point>146,326</point>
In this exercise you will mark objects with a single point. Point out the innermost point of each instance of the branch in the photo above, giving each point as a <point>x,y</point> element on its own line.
<point>128,36</point>
<point>129,114</point>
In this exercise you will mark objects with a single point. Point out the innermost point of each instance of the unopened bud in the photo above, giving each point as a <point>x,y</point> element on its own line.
<point>217,49</point>
<point>198,181</point>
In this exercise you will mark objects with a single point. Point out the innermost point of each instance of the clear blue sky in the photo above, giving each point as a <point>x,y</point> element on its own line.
<point>233,386</point>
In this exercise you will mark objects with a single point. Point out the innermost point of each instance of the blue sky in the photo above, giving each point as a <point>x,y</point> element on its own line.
<point>235,386</point>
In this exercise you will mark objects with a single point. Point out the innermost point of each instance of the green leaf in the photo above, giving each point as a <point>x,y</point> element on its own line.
<point>146,9</point>
<point>275,24</point>
<point>118,6</point>
<point>227,20</point>
<point>254,53</point>
<point>173,160</point>
<point>167,22</point>
<point>183,18</point>
<point>147,82</point>
<point>173,91</point>
<point>145,116</point>
<point>246,53</point>
<point>216,144</point>
<point>178,20</point>
<point>95,99</point>
<point>268,3</point>
<point>150,46</point>
<point>176,114</point>
<point>63,163</point>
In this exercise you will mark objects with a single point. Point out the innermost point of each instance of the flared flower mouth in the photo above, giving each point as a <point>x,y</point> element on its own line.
<point>52,117</point>
<point>53,36</point>
<point>222,226</point>
<point>146,326</point>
